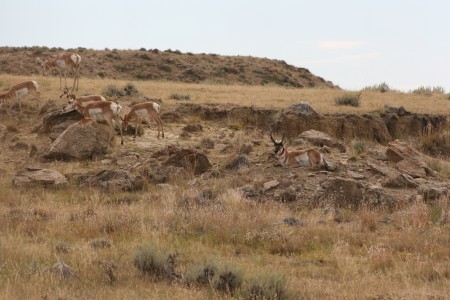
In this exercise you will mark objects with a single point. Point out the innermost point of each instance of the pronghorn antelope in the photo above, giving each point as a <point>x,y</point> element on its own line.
<point>141,111</point>
<point>296,158</point>
<point>21,90</point>
<point>63,62</point>
<point>72,99</point>
<point>101,111</point>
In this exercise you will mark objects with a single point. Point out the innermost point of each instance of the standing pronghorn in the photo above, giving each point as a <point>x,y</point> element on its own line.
<point>73,99</point>
<point>296,158</point>
<point>63,62</point>
<point>141,111</point>
<point>21,90</point>
<point>101,111</point>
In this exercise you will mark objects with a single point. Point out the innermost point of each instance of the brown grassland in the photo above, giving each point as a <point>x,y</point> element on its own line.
<point>99,233</point>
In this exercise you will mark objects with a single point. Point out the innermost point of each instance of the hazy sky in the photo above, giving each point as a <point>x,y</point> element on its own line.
<point>354,43</point>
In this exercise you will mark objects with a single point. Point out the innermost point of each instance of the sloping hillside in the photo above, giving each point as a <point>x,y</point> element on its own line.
<point>166,65</point>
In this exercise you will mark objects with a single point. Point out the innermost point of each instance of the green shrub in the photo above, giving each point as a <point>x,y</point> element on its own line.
<point>382,88</point>
<point>268,287</point>
<point>112,91</point>
<point>200,275</point>
<point>130,89</point>
<point>156,261</point>
<point>229,279</point>
<point>428,91</point>
<point>359,147</point>
<point>176,96</point>
<point>349,99</point>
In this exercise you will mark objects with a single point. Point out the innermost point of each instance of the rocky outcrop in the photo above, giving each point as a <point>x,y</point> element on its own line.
<point>189,159</point>
<point>79,142</point>
<point>407,160</point>
<point>31,176</point>
<point>350,193</point>
<point>321,139</point>
<point>433,191</point>
<point>380,128</point>
<point>115,179</point>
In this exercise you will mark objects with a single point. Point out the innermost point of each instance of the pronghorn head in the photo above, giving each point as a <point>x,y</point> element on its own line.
<point>69,95</point>
<point>278,144</point>
<point>71,99</point>
<point>45,67</point>
<point>125,121</point>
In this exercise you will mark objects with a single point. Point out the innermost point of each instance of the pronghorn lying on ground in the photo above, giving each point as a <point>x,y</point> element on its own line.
<point>21,90</point>
<point>81,99</point>
<point>63,62</point>
<point>296,158</point>
<point>141,111</point>
<point>101,111</point>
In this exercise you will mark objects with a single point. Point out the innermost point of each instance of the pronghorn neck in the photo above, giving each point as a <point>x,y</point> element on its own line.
<point>282,155</point>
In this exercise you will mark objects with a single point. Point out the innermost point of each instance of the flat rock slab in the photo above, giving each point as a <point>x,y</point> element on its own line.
<point>31,176</point>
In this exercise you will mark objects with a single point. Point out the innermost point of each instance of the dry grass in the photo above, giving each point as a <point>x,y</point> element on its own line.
<point>97,233</point>
<point>321,99</point>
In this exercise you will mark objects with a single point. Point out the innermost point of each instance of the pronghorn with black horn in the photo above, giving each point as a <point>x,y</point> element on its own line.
<point>73,99</point>
<point>19,91</point>
<point>296,158</point>
<point>101,111</point>
<point>142,111</point>
<point>63,62</point>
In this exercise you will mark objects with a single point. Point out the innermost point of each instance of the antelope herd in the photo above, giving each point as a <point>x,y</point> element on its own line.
<point>98,108</point>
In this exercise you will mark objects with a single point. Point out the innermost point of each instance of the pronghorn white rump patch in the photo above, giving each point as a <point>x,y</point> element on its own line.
<point>75,58</point>
<point>156,107</point>
<point>22,92</point>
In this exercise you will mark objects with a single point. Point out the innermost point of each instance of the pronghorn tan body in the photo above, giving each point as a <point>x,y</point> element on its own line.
<point>142,111</point>
<point>296,158</point>
<point>21,90</point>
<point>83,100</point>
<point>101,111</point>
<point>63,62</point>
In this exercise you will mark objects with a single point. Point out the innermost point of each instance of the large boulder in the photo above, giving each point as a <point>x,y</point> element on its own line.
<point>31,176</point>
<point>55,122</point>
<point>80,141</point>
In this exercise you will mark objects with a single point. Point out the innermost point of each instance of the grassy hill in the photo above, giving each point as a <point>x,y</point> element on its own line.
<point>166,65</point>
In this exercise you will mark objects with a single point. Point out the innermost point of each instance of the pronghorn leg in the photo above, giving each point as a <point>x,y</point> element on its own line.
<point>20,104</point>
<point>162,125</point>
<point>120,129</point>
<point>139,131</point>
<point>136,127</point>
<point>38,97</point>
